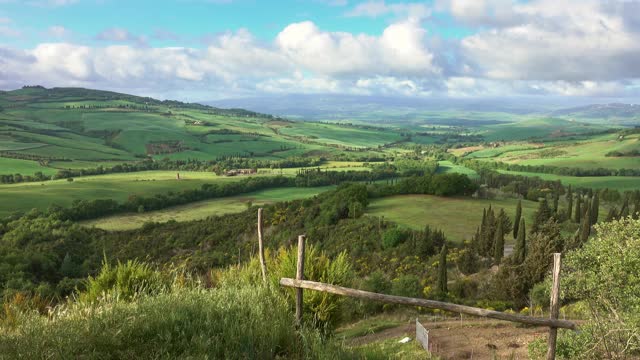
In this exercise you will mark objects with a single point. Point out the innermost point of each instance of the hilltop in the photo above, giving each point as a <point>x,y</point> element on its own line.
<point>71,128</point>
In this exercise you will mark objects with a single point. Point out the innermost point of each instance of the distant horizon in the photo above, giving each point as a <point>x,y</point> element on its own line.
<point>204,50</point>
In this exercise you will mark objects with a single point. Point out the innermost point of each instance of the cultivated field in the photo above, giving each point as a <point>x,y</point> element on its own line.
<point>457,217</point>
<point>621,183</point>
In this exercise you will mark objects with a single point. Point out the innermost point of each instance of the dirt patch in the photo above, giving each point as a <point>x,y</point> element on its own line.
<point>465,150</point>
<point>478,339</point>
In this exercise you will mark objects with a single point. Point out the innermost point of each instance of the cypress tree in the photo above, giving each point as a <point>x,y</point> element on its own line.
<point>576,217</point>
<point>542,215</point>
<point>595,208</point>
<point>556,197</point>
<point>612,215</point>
<point>585,227</point>
<point>624,211</point>
<point>442,271</point>
<point>520,250</point>
<point>569,204</point>
<point>636,210</point>
<point>516,220</point>
<point>498,252</point>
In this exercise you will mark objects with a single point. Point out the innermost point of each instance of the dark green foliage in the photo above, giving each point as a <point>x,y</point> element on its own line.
<point>556,198</point>
<point>468,262</point>
<point>595,208</point>
<point>542,215</point>
<point>513,282</point>
<point>379,283</point>
<point>520,250</point>
<point>578,210</point>
<point>569,203</point>
<point>516,220</point>
<point>499,244</point>
<point>442,271</point>
<point>407,285</point>
<point>393,237</point>
<point>585,227</point>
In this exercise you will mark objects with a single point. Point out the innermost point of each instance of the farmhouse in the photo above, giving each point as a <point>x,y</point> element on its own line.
<point>235,172</point>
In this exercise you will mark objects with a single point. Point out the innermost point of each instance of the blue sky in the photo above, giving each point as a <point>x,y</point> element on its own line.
<point>208,49</point>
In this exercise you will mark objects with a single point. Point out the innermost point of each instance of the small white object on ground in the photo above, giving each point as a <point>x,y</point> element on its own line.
<point>405,340</point>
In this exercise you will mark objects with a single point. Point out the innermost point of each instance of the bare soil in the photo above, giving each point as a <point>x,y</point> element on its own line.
<point>476,339</point>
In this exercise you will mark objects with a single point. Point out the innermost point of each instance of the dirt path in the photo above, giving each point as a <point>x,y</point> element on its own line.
<point>476,339</point>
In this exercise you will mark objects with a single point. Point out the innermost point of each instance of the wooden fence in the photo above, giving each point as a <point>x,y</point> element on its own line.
<point>299,283</point>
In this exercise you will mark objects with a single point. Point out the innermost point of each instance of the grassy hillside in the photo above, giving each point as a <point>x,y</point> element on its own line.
<point>203,209</point>
<point>65,128</point>
<point>457,217</point>
<point>538,128</point>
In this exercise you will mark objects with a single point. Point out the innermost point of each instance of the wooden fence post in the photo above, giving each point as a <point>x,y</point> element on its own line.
<point>300,276</point>
<point>263,264</point>
<point>555,306</point>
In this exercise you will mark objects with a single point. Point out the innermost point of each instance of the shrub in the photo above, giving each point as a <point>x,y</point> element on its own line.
<point>393,237</point>
<point>230,322</point>
<point>124,281</point>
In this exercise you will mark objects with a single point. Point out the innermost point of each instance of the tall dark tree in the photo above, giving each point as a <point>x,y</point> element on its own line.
<point>516,220</point>
<point>585,227</point>
<point>468,260</point>
<point>569,203</point>
<point>624,210</point>
<point>498,251</point>
<point>520,250</point>
<point>595,208</point>
<point>442,271</point>
<point>504,219</point>
<point>612,215</point>
<point>556,198</point>
<point>578,210</point>
<point>636,210</point>
<point>542,215</point>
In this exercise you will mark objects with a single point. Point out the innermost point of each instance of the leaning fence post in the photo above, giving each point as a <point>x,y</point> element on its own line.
<point>300,276</point>
<point>263,264</point>
<point>555,306</point>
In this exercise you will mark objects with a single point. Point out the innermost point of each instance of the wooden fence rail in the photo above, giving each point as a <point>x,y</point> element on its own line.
<point>430,304</point>
<point>552,323</point>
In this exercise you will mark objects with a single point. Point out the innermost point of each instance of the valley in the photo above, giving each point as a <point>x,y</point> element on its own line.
<point>463,207</point>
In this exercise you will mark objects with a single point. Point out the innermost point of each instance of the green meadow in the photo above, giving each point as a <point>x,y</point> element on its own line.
<point>203,209</point>
<point>621,183</point>
<point>40,195</point>
<point>457,217</point>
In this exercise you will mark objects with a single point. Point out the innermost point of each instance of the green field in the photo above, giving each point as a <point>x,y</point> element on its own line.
<point>448,166</point>
<point>457,217</point>
<point>26,196</point>
<point>587,154</point>
<point>621,183</point>
<point>91,127</point>
<point>538,128</point>
<point>204,209</point>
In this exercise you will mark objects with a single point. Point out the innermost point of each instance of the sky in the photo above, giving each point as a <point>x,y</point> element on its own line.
<point>197,50</point>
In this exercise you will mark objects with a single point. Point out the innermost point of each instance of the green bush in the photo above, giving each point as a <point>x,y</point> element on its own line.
<point>230,322</point>
<point>124,281</point>
<point>393,237</point>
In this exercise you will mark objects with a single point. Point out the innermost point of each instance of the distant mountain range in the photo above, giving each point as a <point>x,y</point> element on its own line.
<point>602,111</point>
<point>390,109</point>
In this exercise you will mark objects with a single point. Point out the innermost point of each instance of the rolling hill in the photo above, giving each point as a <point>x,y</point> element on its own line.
<point>68,128</point>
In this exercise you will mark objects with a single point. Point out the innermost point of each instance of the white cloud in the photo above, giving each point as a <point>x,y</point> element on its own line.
<point>377,8</point>
<point>559,47</point>
<point>58,31</point>
<point>120,35</point>
<point>566,40</point>
<point>493,13</point>
<point>400,49</point>
<point>7,31</point>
